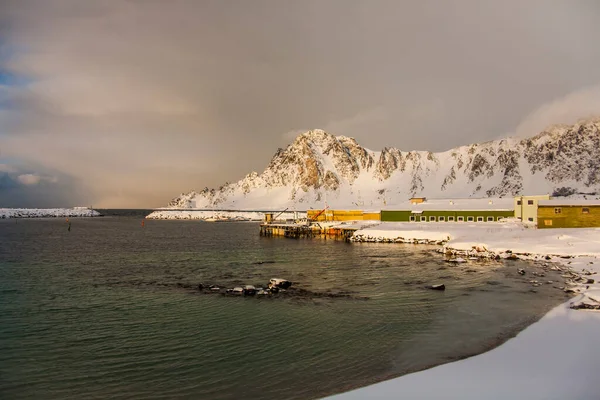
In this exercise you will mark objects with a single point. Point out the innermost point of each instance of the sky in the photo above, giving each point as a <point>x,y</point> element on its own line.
<point>127,103</point>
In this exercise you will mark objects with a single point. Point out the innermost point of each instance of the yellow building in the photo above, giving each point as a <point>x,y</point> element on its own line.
<point>568,214</point>
<point>342,215</point>
<point>372,216</point>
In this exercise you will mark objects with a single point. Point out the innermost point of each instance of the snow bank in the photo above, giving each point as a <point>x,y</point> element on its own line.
<point>555,358</point>
<point>496,237</point>
<point>48,212</point>
<point>220,215</point>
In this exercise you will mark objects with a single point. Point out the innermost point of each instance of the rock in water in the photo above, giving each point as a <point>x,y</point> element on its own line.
<point>249,290</point>
<point>457,260</point>
<point>438,287</point>
<point>279,283</point>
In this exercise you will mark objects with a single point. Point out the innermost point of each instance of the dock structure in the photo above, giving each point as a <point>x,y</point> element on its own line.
<point>288,230</point>
<point>310,230</point>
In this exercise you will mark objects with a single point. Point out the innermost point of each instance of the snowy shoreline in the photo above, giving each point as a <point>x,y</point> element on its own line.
<point>48,212</point>
<point>554,358</point>
<point>221,215</point>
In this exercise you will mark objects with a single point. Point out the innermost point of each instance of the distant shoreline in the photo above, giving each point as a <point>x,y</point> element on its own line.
<point>75,212</point>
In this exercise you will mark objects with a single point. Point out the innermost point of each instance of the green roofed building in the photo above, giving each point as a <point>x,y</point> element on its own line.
<point>451,210</point>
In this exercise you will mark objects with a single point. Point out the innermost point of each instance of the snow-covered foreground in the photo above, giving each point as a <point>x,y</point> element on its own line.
<point>555,358</point>
<point>220,215</point>
<point>47,212</point>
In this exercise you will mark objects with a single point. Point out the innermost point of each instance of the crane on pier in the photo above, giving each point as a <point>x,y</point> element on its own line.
<point>316,216</point>
<point>275,217</point>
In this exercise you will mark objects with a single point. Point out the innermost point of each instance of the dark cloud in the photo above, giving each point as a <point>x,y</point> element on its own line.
<point>7,183</point>
<point>34,186</point>
<point>150,98</point>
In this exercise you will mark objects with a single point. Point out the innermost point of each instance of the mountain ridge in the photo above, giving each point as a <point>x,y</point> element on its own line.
<point>318,168</point>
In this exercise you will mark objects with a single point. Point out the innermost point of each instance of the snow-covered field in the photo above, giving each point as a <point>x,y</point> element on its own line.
<point>496,237</point>
<point>555,358</point>
<point>220,215</point>
<point>47,212</point>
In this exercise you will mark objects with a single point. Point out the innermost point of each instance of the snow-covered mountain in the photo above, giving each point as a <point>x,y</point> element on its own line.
<point>319,168</point>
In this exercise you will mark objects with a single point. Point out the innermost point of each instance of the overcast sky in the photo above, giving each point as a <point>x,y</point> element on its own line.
<point>122,103</point>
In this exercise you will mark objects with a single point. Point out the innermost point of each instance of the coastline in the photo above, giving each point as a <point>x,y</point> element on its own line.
<point>535,363</point>
<point>75,212</point>
<point>208,215</point>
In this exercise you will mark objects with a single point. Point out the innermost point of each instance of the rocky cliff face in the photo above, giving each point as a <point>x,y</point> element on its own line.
<point>318,167</point>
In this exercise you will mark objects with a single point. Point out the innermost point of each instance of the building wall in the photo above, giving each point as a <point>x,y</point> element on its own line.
<point>336,215</point>
<point>310,214</point>
<point>569,217</point>
<point>372,216</point>
<point>405,215</point>
<point>528,212</point>
<point>394,216</point>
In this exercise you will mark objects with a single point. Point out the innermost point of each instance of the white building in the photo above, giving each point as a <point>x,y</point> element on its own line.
<point>526,207</point>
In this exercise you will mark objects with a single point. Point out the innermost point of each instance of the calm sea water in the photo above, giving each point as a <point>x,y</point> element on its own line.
<point>108,310</point>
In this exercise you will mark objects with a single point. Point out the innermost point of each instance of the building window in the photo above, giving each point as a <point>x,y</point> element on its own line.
<point>432,218</point>
<point>451,219</point>
<point>423,219</point>
<point>461,219</point>
<point>479,219</point>
<point>441,219</point>
<point>530,219</point>
<point>518,202</point>
<point>529,202</point>
<point>548,222</point>
<point>490,219</point>
<point>585,210</point>
<point>558,210</point>
<point>470,219</point>
<point>412,218</point>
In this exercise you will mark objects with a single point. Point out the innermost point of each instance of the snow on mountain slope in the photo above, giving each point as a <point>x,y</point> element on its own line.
<point>319,168</point>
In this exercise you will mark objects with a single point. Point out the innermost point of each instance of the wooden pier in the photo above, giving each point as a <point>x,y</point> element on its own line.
<point>297,231</point>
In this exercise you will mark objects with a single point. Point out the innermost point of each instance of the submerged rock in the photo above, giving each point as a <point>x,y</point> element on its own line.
<point>438,287</point>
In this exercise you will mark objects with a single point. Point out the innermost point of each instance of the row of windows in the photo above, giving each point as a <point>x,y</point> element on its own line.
<point>451,219</point>
<point>584,210</point>
<point>557,210</point>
